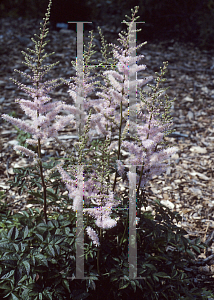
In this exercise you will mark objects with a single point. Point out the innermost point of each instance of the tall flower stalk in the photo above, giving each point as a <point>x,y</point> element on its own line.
<point>113,95</point>
<point>39,110</point>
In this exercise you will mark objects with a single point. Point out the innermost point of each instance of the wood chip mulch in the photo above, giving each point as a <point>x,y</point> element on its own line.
<point>188,184</point>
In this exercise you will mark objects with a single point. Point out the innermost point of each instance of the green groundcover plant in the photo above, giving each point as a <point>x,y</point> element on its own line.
<point>38,246</point>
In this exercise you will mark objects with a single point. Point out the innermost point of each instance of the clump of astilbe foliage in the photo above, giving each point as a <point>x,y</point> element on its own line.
<point>37,246</point>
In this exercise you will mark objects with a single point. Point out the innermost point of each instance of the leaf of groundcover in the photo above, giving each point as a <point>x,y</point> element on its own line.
<point>57,248</point>
<point>51,194</point>
<point>9,274</point>
<point>5,286</point>
<point>66,284</point>
<point>123,286</point>
<point>37,195</point>
<point>51,250</point>
<point>50,224</point>
<point>25,294</point>
<point>64,223</point>
<point>59,241</point>
<point>41,259</point>
<point>9,262</point>
<point>150,266</point>
<point>40,237</point>
<point>191,254</point>
<point>16,247</point>
<point>47,294</point>
<point>162,275</point>
<point>27,266</point>
<point>133,284</point>
<point>26,232</point>
<point>42,227</point>
<point>156,278</point>
<point>138,284</point>
<point>9,235</point>
<point>4,246</point>
<point>198,241</point>
<point>14,297</point>
<point>115,258</point>
<point>196,249</point>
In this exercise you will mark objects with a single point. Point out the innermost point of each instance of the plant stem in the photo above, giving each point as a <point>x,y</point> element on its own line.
<point>124,231</point>
<point>98,254</point>
<point>43,182</point>
<point>119,142</point>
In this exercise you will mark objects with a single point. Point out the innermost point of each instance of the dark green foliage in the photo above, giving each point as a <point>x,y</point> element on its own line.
<point>36,259</point>
<point>35,255</point>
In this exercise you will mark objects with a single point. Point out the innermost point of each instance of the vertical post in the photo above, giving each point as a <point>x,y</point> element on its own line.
<point>79,63</point>
<point>132,257</point>
<point>132,78</point>
<point>80,228</point>
<point>79,212</point>
<point>80,69</point>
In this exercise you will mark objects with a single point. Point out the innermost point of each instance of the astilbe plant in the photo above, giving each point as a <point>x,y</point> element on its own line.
<point>37,256</point>
<point>115,94</point>
<point>41,112</point>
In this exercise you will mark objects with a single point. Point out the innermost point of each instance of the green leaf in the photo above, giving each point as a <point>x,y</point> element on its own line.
<point>196,249</point>
<point>41,259</point>
<point>40,237</point>
<point>16,247</point>
<point>50,224</point>
<point>9,274</point>
<point>27,266</point>
<point>155,277</point>
<point>133,284</point>
<point>37,195</point>
<point>52,194</point>
<point>191,254</point>
<point>47,294</point>
<point>26,232</point>
<point>59,241</point>
<point>14,297</point>
<point>25,213</point>
<point>57,248</point>
<point>42,227</point>
<point>162,275</point>
<point>66,284</point>
<point>123,286</point>
<point>10,233</point>
<point>198,241</point>
<point>115,258</point>
<point>51,249</point>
